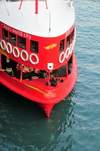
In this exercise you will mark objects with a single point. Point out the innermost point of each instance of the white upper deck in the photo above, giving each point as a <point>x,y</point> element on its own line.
<point>51,22</point>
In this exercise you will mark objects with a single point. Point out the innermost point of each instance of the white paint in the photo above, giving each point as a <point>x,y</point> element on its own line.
<point>62,17</point>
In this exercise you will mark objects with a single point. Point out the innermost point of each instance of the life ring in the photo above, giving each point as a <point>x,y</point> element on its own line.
<point>8,48</point>
<point>17,50</point>
<point>37,59</point>
<point>71,46</point>
<point>61,60</point>
<point>3,44</point>
<point>21,55</point>
<point>67,53</point>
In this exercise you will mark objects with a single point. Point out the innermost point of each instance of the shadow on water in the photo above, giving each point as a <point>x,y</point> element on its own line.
<point>24,127</point>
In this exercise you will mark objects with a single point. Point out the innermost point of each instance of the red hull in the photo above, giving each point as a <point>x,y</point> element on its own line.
<point>37,59</point>
<point>45,96</point>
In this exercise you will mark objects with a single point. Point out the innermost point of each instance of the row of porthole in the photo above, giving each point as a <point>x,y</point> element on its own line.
<point>16,53</point>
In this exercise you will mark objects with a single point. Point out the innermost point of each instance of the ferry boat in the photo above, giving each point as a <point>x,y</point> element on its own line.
<point>37,59</point>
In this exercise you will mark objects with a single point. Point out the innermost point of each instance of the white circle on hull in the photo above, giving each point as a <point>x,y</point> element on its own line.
<point>9,48</point>
<point>23,52</point>
<point>62,57</point>
<point>3,45</point>
<point>16,50</point>
<point>36,57</point>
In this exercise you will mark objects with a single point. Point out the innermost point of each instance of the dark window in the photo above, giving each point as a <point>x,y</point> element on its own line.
<point>71,36</point>
<point>61,45</point>
<point>34,46</point>
<point>13,39</point>
<point>5,34</point>
<point>70,65</point>
<point>22,42</point>
<point>68,41</point>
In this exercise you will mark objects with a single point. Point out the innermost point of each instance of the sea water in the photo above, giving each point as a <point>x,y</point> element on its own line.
<point>74,124</point>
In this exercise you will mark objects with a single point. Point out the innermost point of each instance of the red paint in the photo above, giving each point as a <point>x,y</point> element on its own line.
<point>46,4</point>
<point>46,96</point>
<point>52,95</point>
<point>20,4</point>
<point>36,6</point>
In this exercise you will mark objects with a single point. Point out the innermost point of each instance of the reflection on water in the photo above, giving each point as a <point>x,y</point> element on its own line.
<point>25,127</point>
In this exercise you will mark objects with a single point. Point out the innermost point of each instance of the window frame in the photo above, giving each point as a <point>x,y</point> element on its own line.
<point>3,35</point>
<point>62,43</point>
<point>35,46</point>
<point>22,44</point>
<point>13,41</point>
